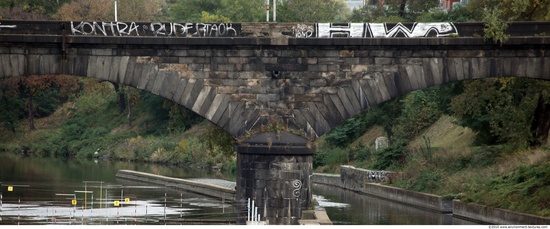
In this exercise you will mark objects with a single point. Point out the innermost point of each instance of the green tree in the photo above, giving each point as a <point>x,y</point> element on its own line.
<point>420,109</point>
<point>29,9</point>
<point>513,10</point>
<point>216,11</point>
<point>312,11</point>
<point>181,118</point>
<point>207,17</point>
<point>409,9</point>
<point>367,13</point>
<point>458,13</point>
<point>41,94</point>
<point>191,10</point>
<point>243,10</point>
<point>495,28</point>
<point>500,110</point>
<point>103,10</point>
<point>12,108</point>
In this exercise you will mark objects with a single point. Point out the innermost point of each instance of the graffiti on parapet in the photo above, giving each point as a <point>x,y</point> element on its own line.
<point>155,29</point>
<point>365,30</point>
<point>302,30</point>
<point>7,26</point>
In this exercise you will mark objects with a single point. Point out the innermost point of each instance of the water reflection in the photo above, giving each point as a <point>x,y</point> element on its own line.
<point>57,191</point>
<point>368,210</point>
<point>44,188</point>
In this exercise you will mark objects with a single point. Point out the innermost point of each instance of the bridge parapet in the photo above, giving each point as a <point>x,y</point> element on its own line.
<point>263,29</point>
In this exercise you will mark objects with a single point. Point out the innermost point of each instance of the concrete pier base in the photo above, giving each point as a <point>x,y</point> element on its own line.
<point>274,171</point>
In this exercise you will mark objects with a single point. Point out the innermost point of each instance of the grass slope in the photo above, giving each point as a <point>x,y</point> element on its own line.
<point>500,176</point>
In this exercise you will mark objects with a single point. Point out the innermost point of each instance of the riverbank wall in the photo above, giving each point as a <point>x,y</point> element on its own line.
<point>361,180</point>
<point>181,184</point>
<point>485,214</point>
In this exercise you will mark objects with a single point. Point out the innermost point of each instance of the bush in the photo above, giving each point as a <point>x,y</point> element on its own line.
<point>331,156</point>
<point>391,156</point>
<point>344,134</point>
<point>420,110</point>
<point>353,128</point>
<point>529,183</point>
<point>426,181</point>
<point>362,153</point>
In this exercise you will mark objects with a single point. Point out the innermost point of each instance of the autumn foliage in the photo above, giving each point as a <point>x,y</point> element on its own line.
<point>34,95</point>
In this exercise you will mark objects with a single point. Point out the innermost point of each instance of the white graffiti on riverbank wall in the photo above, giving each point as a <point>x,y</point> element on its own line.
<point>438,29</point>
<point>154,29</point>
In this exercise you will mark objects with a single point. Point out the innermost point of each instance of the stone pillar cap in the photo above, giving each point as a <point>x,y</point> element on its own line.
<point>276,143</point>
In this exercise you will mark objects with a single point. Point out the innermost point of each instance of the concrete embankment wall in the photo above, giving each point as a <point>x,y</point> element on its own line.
<point>357,180</point>
<point>178,183</point>
<point>491,215</point>
<point>360,180</point>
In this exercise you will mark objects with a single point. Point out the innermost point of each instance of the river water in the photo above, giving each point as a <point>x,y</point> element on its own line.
<point>41,191</point>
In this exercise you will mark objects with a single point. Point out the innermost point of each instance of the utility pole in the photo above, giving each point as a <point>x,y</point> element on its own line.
<point>274,10</point>
<point>116,12</point>
<point>267,10</point>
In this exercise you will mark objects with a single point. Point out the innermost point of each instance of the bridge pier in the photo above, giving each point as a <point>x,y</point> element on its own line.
<point>274,170</point>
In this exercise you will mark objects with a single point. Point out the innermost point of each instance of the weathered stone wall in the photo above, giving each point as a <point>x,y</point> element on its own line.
<point>267,76</point>
<point>491,215</point>
<point>278,184</point>
<point>304,86</point>
<point>274,170</point>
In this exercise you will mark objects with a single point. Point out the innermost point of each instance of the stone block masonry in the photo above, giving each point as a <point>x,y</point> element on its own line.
<point>274,170</point>
<point>242,76</point>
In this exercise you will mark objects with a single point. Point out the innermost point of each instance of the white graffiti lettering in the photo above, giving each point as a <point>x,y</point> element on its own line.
<point>7,26</point>
<point>417,30</point>
<point>377,176</point>
<point>213,30</point>
<point>340,29</point>
<point>302,30</point>
<point>105,28</point>
<point>438,29</point>
<point>154,29</point>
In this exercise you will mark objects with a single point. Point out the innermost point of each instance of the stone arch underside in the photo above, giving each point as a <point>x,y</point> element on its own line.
<point>306,88</point>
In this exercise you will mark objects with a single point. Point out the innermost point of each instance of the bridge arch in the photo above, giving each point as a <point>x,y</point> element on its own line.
<point>244,83</point>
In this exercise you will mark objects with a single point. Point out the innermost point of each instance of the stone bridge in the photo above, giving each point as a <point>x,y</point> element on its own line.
<point>254,78</point>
